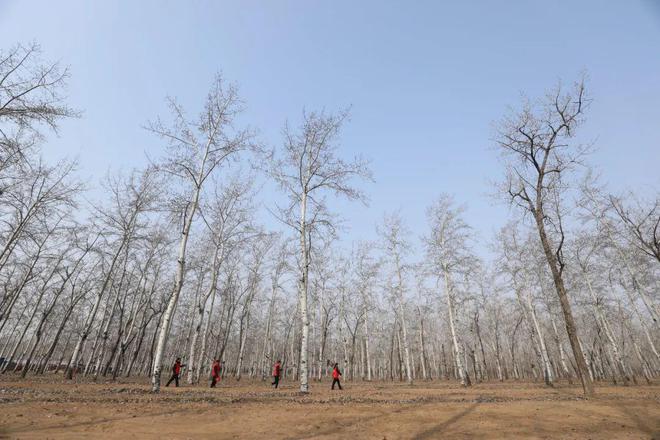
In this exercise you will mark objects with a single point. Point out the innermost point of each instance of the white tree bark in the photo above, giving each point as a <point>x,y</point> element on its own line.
<point>608,331</point>
<point>459,351</point>
<point>302,296</point>
<point>163,331</point>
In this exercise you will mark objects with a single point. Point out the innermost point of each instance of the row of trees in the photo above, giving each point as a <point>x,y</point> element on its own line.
<point>176,261</point>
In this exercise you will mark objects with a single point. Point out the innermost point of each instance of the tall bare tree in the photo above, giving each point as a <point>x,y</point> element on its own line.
<point>196,148</point>
<point>396,245</point>
<point>539,154</point>
<point>131,198</point>
<point>449,256</point>
<point>309,168</point>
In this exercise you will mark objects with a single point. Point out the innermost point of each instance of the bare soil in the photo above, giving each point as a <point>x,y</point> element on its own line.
<point>56,409</point>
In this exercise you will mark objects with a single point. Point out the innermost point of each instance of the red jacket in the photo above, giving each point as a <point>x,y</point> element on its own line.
<point>176,368</point>
<point>215,369</point>
<point>276,369</point>
<point>336,373</point>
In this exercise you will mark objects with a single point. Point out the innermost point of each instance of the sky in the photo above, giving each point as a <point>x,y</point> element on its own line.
<point>426,81</point>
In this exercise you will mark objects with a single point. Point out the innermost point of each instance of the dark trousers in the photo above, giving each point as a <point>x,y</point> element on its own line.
<point>276,381</point>
<point>214,380</point>
<point>335,381</point>
<point>175,378</point>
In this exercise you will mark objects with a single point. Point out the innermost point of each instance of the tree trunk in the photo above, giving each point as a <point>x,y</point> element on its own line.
<point>459,352</point>
<point>620,365</point>
<point>168,315</point>
<point>73,362</point>
<point>302,296</point>
<point>406,348</point>
<point>571,330</point>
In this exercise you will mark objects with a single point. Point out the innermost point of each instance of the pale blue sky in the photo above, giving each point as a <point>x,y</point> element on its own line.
<point>425,80</point>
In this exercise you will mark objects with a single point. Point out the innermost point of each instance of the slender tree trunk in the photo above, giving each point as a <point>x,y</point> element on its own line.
<point>422,351</point>
<point>571,329</point>
<point>481,346</point>
<point>545,358</point>
<point>366,344</point>
<point>459,352</point>
<point>6,311</point>
<point>200,306</point>
<point>406,348</point>
<point>608,332</point>
<point>241,348</point>
<point>560,348</point>
<point>105,333</point>
<point>73,362</point>
<point>42,291</point>
<point>168,315</point>
<point>206,332</point>
<point>302,296</point>
<point>267,353</point>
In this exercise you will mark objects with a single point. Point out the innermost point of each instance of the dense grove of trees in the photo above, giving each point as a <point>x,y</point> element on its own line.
<point>175,261</point>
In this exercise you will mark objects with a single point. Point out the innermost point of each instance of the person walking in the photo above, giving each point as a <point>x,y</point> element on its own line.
<point>277,370</point>
<point>215,373</point>
<point>176,371</point>
<point>336,374</point>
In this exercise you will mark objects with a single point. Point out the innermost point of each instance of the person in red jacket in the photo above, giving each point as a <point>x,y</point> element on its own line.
<point>215,372</point>
<point>176,370</point>
<point>336,374</point>
<point>277,370</point>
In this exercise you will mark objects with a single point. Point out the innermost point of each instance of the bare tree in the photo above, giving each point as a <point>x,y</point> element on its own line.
<point>586,247</point>
<point>131,198</point>
<point>308,169</point>
<point>516,261</point>
<point>227,216</point>
<point>365,273</point>
<point>395,243</point>
<point>195,150</point>
<point>259,248</point>
<point>449,256</point>
<point>539,155</point>
<point>45,193</point>
<point>31,96</point>
<point>599,208</point>
<point>280,266</point>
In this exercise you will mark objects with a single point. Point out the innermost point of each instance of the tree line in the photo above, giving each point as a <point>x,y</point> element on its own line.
<point>175,260</point>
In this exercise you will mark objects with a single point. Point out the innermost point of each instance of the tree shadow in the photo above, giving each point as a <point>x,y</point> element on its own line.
<point>96,421</point>
<point>437,430</point>
<point>642,425</point>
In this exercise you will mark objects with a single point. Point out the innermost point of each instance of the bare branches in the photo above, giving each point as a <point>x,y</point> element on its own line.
<point>534,143</point>
<point>31,95</point>
<point>538,155</point>
<point>196,147</point>
<point>448,242</point>
<point>641,223</point>
<point>309,167</point>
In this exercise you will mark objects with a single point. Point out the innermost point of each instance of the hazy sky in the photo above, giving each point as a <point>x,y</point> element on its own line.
<point>426,81</point>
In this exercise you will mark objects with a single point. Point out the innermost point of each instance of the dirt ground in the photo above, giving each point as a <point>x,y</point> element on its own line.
<point>55,409</point>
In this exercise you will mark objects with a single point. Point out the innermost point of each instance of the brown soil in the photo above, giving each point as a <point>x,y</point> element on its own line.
<point>56,409</point>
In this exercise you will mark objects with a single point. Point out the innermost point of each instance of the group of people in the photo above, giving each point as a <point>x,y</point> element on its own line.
<point>217,366</point>
<point>277,371</point>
